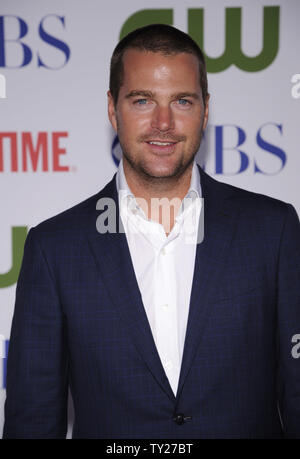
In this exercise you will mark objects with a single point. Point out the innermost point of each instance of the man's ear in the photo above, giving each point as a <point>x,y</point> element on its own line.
<point>206,111</point>
<point>111,111</point>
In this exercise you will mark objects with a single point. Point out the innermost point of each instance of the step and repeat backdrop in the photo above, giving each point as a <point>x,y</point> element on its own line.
<point>57,146</point>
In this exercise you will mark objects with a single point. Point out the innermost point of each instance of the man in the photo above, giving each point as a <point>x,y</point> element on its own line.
<point>159,329</point>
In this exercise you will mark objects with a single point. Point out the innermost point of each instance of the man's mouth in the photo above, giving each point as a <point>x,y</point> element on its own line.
<point>160,144</point>
<point>161,147</point>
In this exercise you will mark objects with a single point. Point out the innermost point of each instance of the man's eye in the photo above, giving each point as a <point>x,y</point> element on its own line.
<point>140,101</point>
<point>184,102</point>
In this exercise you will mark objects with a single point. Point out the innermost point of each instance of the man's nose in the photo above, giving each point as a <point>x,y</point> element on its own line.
<point>163,118</point>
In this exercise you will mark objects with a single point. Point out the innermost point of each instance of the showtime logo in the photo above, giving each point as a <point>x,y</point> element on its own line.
<point>19,152</point>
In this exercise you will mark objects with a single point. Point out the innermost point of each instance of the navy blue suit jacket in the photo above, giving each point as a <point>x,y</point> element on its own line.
<point>79,322</point>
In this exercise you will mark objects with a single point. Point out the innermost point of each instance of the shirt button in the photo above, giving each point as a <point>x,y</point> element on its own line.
<point>179,419</point>
<point>165,306</point>
<point>163,251</point>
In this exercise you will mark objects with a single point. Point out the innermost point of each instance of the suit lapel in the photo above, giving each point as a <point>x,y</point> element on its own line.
<point>220,220</point>
<point>113,259</point>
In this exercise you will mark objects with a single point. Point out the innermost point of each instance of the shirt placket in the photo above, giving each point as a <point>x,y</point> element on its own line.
<point>166,321</point>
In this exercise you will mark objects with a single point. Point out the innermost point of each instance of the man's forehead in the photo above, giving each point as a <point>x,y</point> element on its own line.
<point>143,66</point>
<point>136,55</point>
<point>164,75</point>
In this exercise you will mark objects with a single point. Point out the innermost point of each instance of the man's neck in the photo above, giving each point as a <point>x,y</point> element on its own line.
<point>160,199</point>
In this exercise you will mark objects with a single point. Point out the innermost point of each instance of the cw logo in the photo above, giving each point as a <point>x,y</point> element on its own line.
<point>9,278</point>
<point>233,54</point>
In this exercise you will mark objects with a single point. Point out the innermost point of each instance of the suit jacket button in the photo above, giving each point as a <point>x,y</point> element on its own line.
<point>179,418</point>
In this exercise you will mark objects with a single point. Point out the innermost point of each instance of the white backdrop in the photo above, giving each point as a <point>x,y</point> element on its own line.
<point>55,139</point>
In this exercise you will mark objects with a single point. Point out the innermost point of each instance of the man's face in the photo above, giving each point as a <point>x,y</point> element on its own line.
<point>159,116</point>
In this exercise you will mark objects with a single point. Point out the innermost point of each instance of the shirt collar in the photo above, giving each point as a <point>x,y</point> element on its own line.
<point>126,195</point>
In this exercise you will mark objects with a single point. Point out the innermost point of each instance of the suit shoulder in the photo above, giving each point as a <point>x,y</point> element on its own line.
<point>250,201</point>
<point>76,217</point>
<point>257,200</point>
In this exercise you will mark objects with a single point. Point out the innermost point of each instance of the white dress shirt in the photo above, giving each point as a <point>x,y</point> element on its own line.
<point>164,268</point>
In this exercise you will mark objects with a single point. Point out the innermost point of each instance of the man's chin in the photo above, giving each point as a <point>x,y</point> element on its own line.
<point>156,173</point>
<point>161,169</point>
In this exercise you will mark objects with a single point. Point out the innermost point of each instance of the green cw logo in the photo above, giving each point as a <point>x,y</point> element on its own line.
<point>233,54</point>
<point>19,234</point>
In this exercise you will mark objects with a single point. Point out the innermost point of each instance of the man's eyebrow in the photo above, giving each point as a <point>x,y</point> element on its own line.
<point>181,95</point>
<point>137,92</point>
<point>151,95</point>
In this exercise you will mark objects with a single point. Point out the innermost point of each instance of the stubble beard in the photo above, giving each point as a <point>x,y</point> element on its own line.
<point>146,173</point>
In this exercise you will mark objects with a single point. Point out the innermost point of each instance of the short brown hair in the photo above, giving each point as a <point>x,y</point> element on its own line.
<point>157,38</point>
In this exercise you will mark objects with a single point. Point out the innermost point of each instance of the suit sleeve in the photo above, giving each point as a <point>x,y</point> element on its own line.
<point>37,366</point>
<point>289,325</point>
